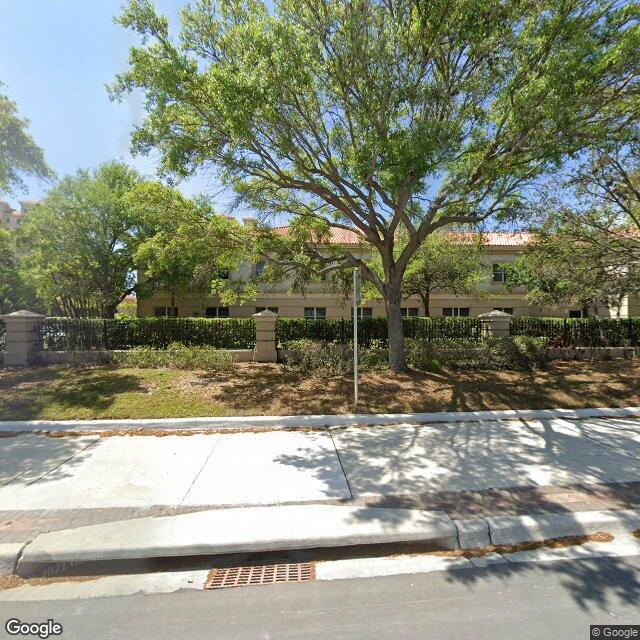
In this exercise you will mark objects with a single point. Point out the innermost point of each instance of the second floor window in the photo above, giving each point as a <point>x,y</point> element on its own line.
<point>217,312</point>
<point>315,313</point>
<point>499,274</point>
<point>508,310</point>
<point>365,312</point>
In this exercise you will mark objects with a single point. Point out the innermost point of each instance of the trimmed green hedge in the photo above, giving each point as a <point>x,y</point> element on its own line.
<point>74,334</point>
<point>580,332</point>
<point>372,332</point>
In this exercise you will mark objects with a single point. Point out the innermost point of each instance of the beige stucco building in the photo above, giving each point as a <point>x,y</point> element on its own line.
<point>10,219</point>
<point>319,302</point>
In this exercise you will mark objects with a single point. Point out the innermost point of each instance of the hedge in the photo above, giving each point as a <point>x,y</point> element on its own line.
<point>74,334</point>
<point>580,332</point>
<point>372,332</point>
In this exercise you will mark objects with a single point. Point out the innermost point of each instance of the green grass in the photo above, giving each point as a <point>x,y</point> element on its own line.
<point>61,393</point>
<point>67,393</point>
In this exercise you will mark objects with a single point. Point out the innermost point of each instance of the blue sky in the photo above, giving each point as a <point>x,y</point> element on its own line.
<point>55,58</point>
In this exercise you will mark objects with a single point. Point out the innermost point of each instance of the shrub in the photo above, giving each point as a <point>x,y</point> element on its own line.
<point>176,356</point>
<point>327,359</point>
<point>321,358</point>
<point>511,353</point>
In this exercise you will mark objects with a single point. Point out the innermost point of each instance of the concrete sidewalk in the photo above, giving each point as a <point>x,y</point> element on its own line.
<point>464,469</point>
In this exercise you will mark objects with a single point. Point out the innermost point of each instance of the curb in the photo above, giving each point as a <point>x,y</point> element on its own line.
<point>185,536</point>
<point>229,531</point>
<point>257,423</point>
<point>481,532</point>
<point>10,556</point>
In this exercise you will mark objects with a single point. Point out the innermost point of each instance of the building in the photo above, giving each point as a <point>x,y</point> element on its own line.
<point>317,302</point>
<point>10,219</point>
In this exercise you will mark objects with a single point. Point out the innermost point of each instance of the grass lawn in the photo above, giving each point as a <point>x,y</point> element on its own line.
<point>64,392</point>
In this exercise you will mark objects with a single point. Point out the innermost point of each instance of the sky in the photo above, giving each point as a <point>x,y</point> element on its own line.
<point>56,56</point>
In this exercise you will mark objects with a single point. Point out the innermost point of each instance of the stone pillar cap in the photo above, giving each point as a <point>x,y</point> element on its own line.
<point>495,314</point>
<point>22,314</point>
<point>265,314</point>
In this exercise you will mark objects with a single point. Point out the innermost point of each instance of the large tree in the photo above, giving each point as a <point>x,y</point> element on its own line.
<point>78,243</point>
<point>186,247</point>
<point>558,269</point>
<point>16,291</point>
<point>19,154</point>
<point>388,118</point>
<point>446,262</point>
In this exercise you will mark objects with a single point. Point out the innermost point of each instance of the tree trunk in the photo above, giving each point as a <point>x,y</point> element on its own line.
<point>426,303</point>
<point>397,354</point>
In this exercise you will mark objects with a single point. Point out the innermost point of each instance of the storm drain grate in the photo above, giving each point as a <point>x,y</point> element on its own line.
<point>224,577</point>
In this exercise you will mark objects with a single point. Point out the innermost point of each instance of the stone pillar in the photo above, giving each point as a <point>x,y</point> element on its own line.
<point>495,324</point>
<point>265,350</point>
<point>24,338</point>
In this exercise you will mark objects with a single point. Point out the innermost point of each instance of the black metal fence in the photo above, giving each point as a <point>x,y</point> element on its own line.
<point>373,332</point>
<point>580,332</point>
<point>77,334</point>
<point>3,335</point>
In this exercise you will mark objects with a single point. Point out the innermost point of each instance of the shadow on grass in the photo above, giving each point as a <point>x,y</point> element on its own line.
<point>25,394</point>
<point>274,390</point>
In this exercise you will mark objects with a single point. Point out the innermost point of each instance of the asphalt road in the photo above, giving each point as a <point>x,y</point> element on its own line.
<point>556,600</point>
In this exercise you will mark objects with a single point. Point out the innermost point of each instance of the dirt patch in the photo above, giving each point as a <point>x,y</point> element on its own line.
<point>13,581</point>
<point>532,545</point>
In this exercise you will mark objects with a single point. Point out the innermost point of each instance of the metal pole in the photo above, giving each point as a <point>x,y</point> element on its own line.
<point>355,338</point>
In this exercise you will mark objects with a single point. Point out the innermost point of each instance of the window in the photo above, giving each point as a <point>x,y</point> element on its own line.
<point>409,312</point>
<point>365,312</point>
<point>576,313</point>
<point>274,309</point>
<point>260,265</point>
<point>216,312</point>
<point>508,310</point>
<point>165,312</point>
<point>499,274</point>
<point>315,313</point>
<point>454,312</point>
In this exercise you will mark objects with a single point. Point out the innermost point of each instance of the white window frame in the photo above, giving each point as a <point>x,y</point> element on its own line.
<point>365,312</point>
<point>456,312</point>
<point>311,313</point>
<point>499,275</point>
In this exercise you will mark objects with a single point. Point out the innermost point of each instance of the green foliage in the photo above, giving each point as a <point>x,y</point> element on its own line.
<point>320,358</point>
<point>19,154</point>
<point>176,356</point>
<point>78,244</point>
<point>557,268</point>
<point>185,245</point>
<point>580,332</point>
<point>16,290</point>
<point>329,359</point>
<point>69,334</point>
<point>372,332</point>
<point>446,262</point>
<point>511,353</point>
<point>380,117</point>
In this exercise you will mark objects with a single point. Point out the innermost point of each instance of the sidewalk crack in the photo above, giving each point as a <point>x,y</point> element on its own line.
<point>204,464</point>
<point>341,465</point>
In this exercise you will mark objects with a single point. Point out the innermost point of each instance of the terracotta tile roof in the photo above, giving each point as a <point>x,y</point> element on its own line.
<point>492,238</point>
<point>489,239</point>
